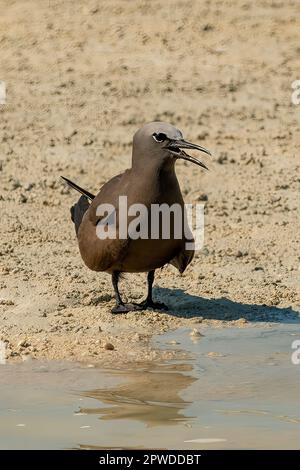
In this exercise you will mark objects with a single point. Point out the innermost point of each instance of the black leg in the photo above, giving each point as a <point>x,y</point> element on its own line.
<point>120,307</point>
<point>148,303</point>
<point>115,280</point>
<point>150,280</point>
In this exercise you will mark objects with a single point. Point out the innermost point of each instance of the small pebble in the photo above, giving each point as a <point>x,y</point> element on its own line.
<point>202,197</point>
<point>196,333</point>
<point>239,254</point>
<point>109,346</point>
<point>23,198</point>
<point>23,344</point>
<point>214,354</point>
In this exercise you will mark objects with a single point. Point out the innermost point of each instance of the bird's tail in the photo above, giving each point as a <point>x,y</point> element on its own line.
<point>78,188</point>
<point>81,206</point>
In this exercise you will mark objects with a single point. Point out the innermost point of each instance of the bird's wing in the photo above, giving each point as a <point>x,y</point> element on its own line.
<point>103,254</point>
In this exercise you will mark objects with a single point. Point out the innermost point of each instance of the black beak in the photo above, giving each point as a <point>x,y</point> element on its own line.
<point>175,147</point>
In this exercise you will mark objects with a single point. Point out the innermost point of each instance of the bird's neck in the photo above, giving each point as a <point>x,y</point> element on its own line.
<point>158,178</point>
<point>152,168</point>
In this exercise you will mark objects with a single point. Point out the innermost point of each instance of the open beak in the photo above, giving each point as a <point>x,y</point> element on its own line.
<point>175,148</point>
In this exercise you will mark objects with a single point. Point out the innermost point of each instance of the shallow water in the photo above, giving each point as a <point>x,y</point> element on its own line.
<point>238,390</point>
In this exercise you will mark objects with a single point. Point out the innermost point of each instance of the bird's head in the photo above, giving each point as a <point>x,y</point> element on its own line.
<point>161,142</point>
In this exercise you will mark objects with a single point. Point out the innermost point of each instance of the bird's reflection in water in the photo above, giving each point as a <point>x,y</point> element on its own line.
<point>152,395</point>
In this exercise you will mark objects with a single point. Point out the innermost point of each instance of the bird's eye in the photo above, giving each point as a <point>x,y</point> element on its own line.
<point>159,137</point>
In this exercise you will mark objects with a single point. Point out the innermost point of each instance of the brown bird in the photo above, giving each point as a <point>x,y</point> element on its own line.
<point>150,180</point>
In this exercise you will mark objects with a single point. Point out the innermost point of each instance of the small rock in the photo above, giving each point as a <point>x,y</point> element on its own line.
<point>23,198</point>
<point>207,27</point>
<point>202,197</point>
<point>14,354</point>
<point>223,158</point>
<point>109,346</point>
<point>258,268</point>
<point>23,344</point>
<point>29,186</point>
<point>214,354</point>
<point>196,333</point>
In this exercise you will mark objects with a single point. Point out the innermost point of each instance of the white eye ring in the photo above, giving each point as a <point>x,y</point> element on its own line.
<point>160,137</point>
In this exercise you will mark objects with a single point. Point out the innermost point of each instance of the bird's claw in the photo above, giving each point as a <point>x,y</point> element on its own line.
<point>132,307</point>
<point>125,308</point>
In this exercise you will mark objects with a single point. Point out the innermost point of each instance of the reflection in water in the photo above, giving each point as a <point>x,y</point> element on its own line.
<point>151,395</point>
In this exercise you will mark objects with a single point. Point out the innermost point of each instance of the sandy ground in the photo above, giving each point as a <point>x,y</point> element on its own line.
<point>81,77</point>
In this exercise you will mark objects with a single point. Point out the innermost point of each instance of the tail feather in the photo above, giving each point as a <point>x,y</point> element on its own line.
<point>78,188</point>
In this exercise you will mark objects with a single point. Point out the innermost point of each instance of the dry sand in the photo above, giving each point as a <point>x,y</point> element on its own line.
<point>81,77</point>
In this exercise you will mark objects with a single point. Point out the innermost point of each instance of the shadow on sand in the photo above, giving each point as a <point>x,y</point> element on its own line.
<point>182,304</point>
